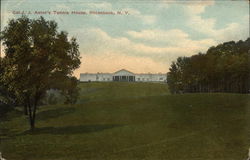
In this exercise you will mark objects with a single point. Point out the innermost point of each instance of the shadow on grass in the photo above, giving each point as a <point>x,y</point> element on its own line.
<point>54,113</point>
<point>10,114</point>
<point>81,129</point>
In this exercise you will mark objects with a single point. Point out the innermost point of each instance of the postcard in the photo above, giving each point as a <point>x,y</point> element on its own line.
<point>124,80</point>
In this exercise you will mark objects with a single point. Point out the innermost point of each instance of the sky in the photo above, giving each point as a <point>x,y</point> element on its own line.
<point>148,34</point>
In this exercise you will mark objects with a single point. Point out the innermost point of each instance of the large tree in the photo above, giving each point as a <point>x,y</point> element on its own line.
<point>37,57</point>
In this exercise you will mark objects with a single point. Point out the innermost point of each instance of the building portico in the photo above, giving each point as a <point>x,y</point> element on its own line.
<point>124,76</point>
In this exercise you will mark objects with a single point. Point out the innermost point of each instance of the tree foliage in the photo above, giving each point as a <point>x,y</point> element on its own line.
<point>224,68</point>
<point>37,57</point>
<point>7,99</point>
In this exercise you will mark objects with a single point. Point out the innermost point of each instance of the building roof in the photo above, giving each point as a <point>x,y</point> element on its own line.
<point>123,70</point>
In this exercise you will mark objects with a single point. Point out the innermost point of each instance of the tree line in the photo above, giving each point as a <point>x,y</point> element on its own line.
<point>38,58</point>
<point>223,68</point>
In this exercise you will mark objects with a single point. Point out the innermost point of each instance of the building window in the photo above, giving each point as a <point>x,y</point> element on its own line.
<point>161,78</point>
<point>142,79</point>
<point>108,79</point>
<point>104,79</point>
<point>138,79</point>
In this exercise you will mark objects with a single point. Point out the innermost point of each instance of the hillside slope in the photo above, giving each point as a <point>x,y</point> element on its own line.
<point>133,121</point>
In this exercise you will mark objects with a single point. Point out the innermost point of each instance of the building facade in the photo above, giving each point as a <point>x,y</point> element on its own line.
<point>122,76</point>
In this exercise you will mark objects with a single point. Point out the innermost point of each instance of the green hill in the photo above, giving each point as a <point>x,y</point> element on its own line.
<point>123,121</point>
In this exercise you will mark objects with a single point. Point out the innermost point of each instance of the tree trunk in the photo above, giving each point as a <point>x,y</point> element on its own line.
<point>32,107</point>
<point>32,127</point>
<point>25,110</point>
<point>32,116</point>
<point>32,124</point>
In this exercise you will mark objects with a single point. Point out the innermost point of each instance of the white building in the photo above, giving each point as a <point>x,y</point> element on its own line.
<point>123,76</point>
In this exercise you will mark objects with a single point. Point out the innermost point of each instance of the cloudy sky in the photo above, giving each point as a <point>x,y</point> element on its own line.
<point>148,35</point>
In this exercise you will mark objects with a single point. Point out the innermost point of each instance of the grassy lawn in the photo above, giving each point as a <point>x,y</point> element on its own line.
<point>123,121</point>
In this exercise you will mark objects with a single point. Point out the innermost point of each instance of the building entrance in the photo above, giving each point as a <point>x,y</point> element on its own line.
<point>124,78</point>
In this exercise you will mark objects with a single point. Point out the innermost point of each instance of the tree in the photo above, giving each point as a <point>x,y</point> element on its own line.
<point>224,68</point>
<point>37,56</point>
<point>71,91</point>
